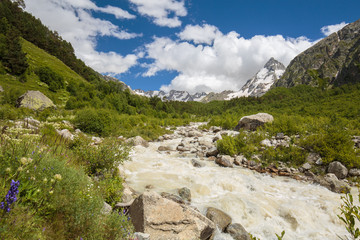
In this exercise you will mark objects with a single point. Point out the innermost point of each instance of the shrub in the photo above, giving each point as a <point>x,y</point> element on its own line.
<point>51,78</point>
<point>101,121</point>
<point>99,159</point>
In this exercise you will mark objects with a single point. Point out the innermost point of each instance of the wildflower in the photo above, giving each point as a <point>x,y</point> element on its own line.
<point>10,197</point>
<point>45,180</point>
<point>52,180</point>
<point>23,160</point>
<point>51,192</point>
<point>58,177</point>
<point>20,169</point>
<point>8,169</point>
<point>32,178</point>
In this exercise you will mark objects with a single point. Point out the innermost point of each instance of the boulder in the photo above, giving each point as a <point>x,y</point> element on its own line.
<point>185,194</point>
<point>165,219</point>
<point>238,232</point>
<point>225,161</point>
<point>221,219</point>
<point>213,152</point>
<point>241,159</point>
<point>338,169</point>
<point>34,100</point>
<point>66,134</point>
<point>306,166</point>
<point>354,172</point>
<point>313,157</point>
<point>197,163</point>
<point>334,184</point>
<point>252,122</point>
<point>165,148</point>
<point>138,141</point>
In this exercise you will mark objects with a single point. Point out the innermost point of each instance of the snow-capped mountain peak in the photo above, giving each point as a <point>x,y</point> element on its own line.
<point>262,81</point>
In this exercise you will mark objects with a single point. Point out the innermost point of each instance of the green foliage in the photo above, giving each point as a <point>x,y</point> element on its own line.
<point>99,159</point>
<point>244,143</point>
<point>99,121</point>
<point>51,78</point>
<point>57,199</point>
<point>333,143</point>
<point>350,213</point>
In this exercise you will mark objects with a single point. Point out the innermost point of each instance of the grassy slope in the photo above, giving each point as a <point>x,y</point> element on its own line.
<point>39,58</point>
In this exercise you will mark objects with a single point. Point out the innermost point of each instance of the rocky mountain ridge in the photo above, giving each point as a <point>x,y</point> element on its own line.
<point>173,95</point>
<point>257,86</point>
<point>333,61</point>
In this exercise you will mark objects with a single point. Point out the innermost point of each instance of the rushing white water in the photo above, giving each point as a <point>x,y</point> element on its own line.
<point>262,204</point>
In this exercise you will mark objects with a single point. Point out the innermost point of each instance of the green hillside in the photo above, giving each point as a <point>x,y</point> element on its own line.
<point>38,58</point>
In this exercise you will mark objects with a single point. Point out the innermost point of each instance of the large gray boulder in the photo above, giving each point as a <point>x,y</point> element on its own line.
<point>238,232</point>
<point>165,219</point>
<point>221,219</point>
<point>34,100</point>
<point>338,169</point>
<point>252,122</point>
<point>334,184</point>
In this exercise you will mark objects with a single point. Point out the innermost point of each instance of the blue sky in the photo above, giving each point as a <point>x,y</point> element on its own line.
<point>193,45</point>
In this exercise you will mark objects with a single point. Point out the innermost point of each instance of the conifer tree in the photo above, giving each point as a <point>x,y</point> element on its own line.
<point>14,58</point>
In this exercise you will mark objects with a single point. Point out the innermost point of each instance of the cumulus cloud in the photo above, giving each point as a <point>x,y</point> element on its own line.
<point>327,30</point>
<point>161,10</point>
<point>200,34</point>
<point>214,61</point>
<point>75,23</point>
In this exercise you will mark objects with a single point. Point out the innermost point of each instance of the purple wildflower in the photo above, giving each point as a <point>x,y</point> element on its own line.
<point>10,197</point>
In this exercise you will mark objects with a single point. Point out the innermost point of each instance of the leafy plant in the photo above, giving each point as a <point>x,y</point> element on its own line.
<point>350,213</point>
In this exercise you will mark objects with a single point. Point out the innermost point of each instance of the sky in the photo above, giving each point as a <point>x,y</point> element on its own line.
<point>191,45</point>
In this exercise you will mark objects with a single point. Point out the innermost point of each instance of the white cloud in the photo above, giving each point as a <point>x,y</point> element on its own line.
<point>160,11</point>
<point>226,64</point>
<point>327,30</point>
<point>74,22</point>
<point>200,34</point>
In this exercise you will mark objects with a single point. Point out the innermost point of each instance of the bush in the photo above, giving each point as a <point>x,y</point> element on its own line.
<point>333,144</point>
<point>101,121</point>
<point>51,78</point>
<point>99,159</point>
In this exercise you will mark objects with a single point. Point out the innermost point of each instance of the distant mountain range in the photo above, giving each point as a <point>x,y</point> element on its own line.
<point>256,86</point>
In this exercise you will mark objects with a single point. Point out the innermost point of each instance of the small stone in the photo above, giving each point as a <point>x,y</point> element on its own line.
<point>185,194</point>
<point>197,163</point>
<point>354,172</point>
<point>306,166</point>
<point>279,136</point>
<point>141,236</point>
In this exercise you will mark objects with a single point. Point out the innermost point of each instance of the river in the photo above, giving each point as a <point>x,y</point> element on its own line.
<point>263,204</point>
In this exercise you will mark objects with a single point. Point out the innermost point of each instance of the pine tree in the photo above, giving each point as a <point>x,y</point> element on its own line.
<point>14,58</point>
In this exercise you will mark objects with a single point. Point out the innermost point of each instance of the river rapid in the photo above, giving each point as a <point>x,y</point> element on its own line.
<point>263,204</point>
